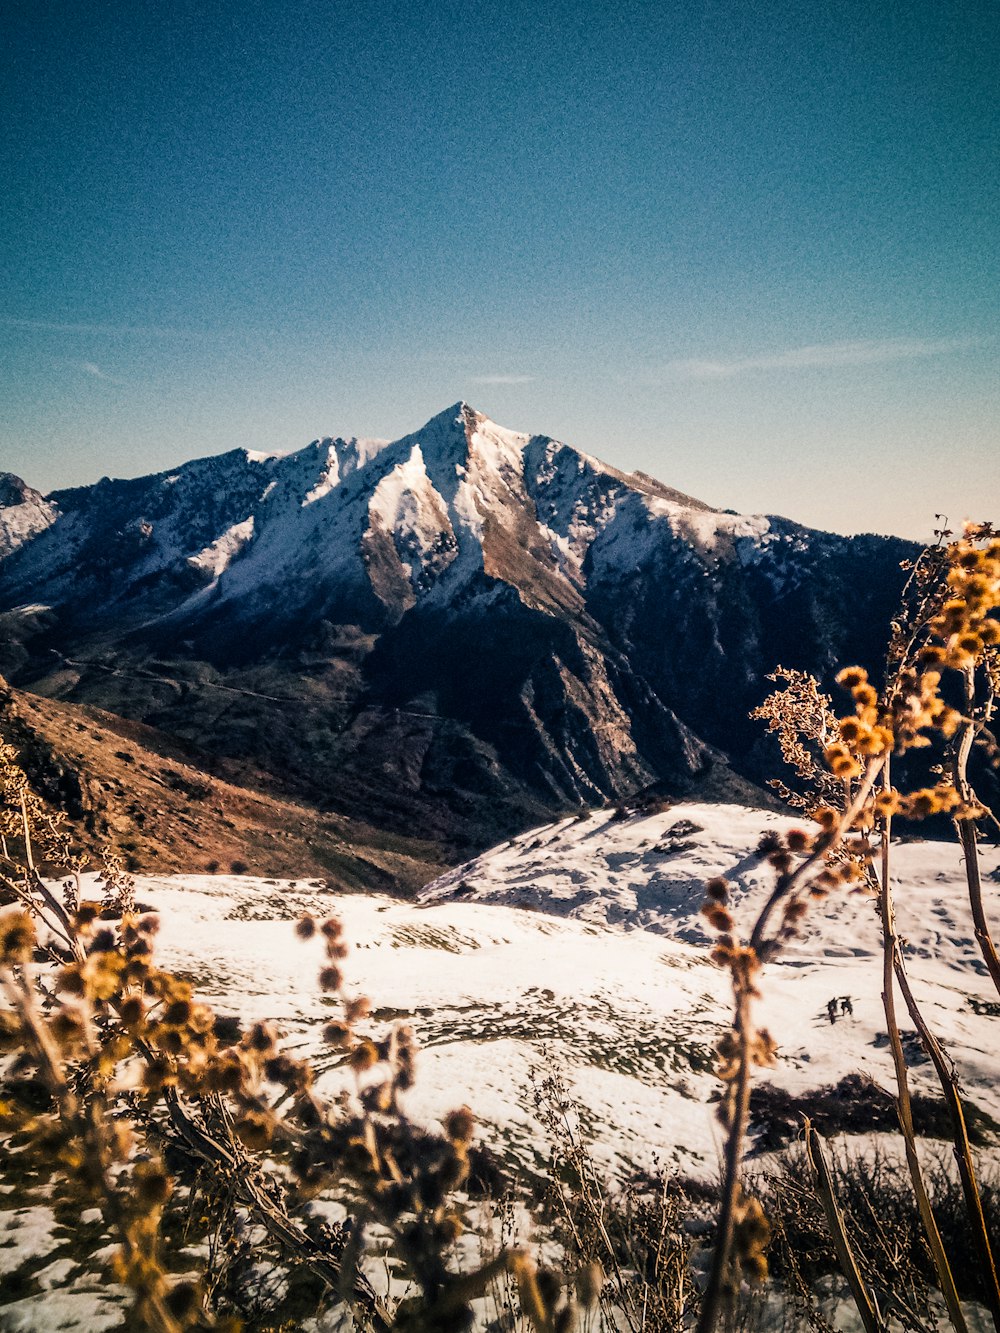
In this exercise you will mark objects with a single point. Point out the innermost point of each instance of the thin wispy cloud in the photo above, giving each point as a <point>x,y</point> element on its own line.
<point>95,372</point>
<point>503,379</point>
<point>820,356</point>
<point>113,330</point>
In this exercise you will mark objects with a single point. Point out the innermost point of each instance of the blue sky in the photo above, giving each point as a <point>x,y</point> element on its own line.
<point>752,250</point>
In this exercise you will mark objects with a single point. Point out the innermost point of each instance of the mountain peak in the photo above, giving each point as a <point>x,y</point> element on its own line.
<point>446,441</point>
<point>477,626</point>
<point>14,490</point>
<point>24,513</point>
<point>459,413</point>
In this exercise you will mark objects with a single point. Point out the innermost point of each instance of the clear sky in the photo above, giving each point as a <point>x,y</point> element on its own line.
<point>750,249</point>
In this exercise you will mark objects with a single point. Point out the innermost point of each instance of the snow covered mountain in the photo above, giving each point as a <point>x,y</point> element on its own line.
<point>369,526</point>
<point>471,623</point>
<point>23,513</point>
<point>365,528</point>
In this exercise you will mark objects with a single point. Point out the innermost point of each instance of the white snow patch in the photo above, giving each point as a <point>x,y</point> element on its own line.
<point>705,528</point>
<point>329,477</point>
<point>220,554</point>
<point>23,1232</point>
<point>20,522</point>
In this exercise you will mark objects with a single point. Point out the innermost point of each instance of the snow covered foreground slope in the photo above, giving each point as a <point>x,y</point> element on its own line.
<point>579,946</point>
<point>576,947</point>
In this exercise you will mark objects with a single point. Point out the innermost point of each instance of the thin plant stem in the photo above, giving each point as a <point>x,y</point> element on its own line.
<point>965,823</point>
<point>904,1107</point>
<point>719,1275</point>
<point>871,1316</point>
<point>960,1137</point>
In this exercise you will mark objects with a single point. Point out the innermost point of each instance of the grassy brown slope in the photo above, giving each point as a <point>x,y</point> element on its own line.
<point>141,792</point>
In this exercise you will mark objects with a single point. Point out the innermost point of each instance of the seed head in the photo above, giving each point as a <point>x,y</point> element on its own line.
<point>589,1282</point>
<point>358,1008</point>
<point>459,1125</point>
<point>152,1184</point>
<point>851,677</point>
<point>364,1056</point>
<point>17,937</point>
<point>177,1012</point>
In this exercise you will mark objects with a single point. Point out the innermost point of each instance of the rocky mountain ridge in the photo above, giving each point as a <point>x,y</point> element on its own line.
<point>23,513</point>
<point>467,627</point>
<point>382,525</point>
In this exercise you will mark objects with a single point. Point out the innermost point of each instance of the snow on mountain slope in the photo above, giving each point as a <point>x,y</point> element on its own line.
<point>472,495</point>
<point>645,875</point>
<point>648,871</point>
<point>219,555</point>
<point>409,518</point>
<point>362,531</point>
<point>579,947</point>
<point>24,513</point>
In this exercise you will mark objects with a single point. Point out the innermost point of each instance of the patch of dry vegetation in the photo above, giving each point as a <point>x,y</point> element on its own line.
<point>165,809</point>
<point>945,635</point>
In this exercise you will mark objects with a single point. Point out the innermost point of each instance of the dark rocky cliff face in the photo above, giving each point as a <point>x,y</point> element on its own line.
<point>453,634</point>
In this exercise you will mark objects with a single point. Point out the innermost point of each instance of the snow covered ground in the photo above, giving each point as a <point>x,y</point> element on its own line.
<point>579,947</point>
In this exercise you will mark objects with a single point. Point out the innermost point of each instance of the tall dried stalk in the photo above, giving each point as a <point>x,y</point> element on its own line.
<point>904,1109</point>
<point>871,1316</point>
<point>747,1045</point>
<point>960,634</point>
<point>948,624</point>
<point>966,824</point>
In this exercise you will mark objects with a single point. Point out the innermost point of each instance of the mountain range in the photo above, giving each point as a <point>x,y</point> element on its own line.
<point>451,635</point>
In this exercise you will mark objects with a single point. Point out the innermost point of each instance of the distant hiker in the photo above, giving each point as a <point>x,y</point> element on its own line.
<point>831,1010</point>
<point>846,1007</point>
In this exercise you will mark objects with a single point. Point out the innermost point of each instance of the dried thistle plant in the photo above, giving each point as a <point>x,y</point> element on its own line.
<point>119,885</point>
<point>947,627</point>
<point>135,1073</point>
<point>802,719</point>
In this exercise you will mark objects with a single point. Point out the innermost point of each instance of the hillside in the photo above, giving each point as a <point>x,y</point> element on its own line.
<point>163,806</point>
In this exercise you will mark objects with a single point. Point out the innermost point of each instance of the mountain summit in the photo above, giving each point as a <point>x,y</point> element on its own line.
<point>453,632</point>
<point>23,513</point>
<point>368,528</point>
